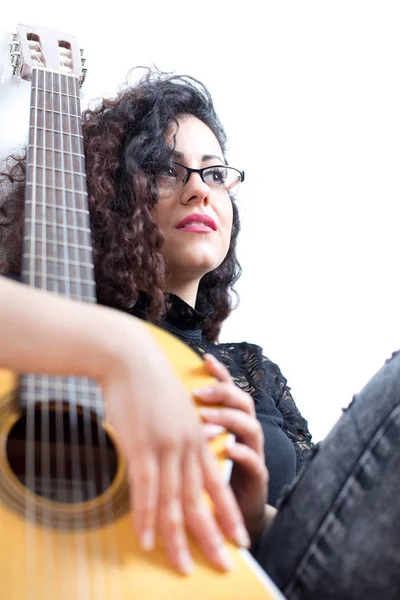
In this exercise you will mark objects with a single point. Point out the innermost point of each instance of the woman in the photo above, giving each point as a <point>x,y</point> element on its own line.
<point>138,149</point>
<point>165,226</point>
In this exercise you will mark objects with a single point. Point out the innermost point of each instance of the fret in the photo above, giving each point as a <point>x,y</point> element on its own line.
<point>59,216</point>
<point>59,248</point>
<point>53,91</point>
<point>62,102</point>
<point>80,384</point>
<point>53,131</point>
<point>57,178</point>
<point>53,188</point>
<point>64,142</point>
<point>53,113</point>
<point>53,120</point>
<point>76,391</point>
<point>59,266</point>
<point>59,278</point>
<point>55,169</point>
<point>67,231</point>
<point>64,287</point>
<point>58,160</point>
<point>39,147</point>
<point>29,238</point>
<point>38,73</point>
<point>68,199</point>
<point>62,208</point>
<point>40,223</point>
<point>71,269</point>
<point>60,261</point>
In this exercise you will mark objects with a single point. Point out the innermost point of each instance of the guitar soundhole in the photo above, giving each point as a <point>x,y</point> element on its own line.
<point>61,454</point>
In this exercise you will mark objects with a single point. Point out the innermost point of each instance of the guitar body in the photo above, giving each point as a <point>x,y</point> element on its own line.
<point>55,550</point>
<point>66,529</point>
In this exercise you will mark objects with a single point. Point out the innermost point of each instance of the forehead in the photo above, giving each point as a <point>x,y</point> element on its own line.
<point>193,137</point>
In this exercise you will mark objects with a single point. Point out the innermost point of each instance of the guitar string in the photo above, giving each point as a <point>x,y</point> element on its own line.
<point>45,475</point>
<point>88,458</point>
<point>60,487</point>
<point>82,580</point>
<point>30,483</point>
<point>106,479</point>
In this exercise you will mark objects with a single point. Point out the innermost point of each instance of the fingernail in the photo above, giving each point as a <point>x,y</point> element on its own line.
<point>185,562</point>
<point>242,537</point>
<point>209,413</point>
<point>147,540</point>
<point>212,430</point>
<point>224,559</point>
<point>204,392</point>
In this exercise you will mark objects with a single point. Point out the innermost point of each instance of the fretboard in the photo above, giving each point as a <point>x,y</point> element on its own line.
<point>57,250</point>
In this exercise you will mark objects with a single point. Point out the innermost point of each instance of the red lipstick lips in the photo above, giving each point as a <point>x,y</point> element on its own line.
<point>197,222</point>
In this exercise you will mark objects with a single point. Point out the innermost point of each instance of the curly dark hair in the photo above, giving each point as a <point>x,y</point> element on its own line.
<point>125,148</point>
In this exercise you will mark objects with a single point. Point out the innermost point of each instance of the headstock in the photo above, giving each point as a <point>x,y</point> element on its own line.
<point>46,47</point>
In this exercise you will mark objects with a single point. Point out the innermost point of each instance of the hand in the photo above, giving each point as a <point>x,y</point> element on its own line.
<point>236,414</point>
<point>169,462</point>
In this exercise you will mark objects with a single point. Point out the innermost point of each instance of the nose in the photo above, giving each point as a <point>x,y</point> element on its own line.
<point>195,191</point>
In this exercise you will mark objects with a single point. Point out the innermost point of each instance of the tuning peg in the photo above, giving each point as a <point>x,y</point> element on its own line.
<point>83,77</point>
<point>15,52</point>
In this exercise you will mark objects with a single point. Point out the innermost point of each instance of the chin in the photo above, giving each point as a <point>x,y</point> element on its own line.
<point>195,262</point>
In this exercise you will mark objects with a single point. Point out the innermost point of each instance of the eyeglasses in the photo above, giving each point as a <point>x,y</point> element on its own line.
<point>219,177</point>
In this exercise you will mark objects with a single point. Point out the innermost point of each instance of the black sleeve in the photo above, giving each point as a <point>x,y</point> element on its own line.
<point>294,424</point>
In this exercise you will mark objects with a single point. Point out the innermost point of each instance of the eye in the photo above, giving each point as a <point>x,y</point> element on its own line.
<point>216,176</point>
<point>168,171</point>
<point>167,176</point>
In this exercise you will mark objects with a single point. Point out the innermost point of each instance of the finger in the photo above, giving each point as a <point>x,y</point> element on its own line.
<point>242,425</point>
<point>144,485</point>
<point>170,513</point>
<point>212,431</point>
<point>247,459</point>
<point>199,518</point>
<point>226,508</point>
<point>216,368</point>
<point>226,394</point>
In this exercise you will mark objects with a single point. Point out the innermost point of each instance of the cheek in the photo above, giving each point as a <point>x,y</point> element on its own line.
<point>161,217</point>
<point>227,222</point>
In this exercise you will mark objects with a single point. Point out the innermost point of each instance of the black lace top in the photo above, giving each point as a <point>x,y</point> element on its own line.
<point>287,439</point>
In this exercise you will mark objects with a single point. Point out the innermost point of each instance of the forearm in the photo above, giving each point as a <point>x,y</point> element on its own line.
<point>42,332</point>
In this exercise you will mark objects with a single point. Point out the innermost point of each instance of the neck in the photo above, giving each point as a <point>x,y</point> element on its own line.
<point>187,291</point>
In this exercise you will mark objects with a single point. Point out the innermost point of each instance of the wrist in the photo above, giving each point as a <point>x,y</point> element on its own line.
<point>113,340</point>
<point>264,521</point>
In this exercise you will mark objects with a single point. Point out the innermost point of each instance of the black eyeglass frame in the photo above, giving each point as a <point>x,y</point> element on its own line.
<point>189,171</point>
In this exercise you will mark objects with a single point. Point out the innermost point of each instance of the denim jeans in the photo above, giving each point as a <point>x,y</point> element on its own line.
<point>337,531</point>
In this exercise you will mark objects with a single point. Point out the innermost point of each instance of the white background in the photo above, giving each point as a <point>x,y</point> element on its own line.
<point>310,97</point>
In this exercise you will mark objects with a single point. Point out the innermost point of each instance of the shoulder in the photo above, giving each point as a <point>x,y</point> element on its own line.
<point>251,361</point>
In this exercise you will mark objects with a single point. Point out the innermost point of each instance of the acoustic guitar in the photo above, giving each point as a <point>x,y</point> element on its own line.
<point>65,528</point>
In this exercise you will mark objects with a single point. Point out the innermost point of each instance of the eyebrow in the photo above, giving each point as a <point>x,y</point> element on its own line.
<point>204,158</point>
